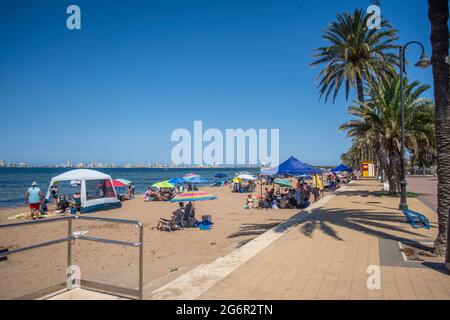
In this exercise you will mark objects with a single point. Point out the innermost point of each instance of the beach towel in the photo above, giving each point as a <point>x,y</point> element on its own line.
<point>205,225</point>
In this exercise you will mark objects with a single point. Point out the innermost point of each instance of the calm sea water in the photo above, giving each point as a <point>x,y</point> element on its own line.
<point>14,182</point>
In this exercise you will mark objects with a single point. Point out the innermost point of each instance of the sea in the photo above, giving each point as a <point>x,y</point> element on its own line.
<point>14,182</point>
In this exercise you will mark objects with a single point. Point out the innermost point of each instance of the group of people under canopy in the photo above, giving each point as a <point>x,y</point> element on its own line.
<point>243,183</point>
<point>81,190</point>
<point>338,175</point>
<point>300,195</point>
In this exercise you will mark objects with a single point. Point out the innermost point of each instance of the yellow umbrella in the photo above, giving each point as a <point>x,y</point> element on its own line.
<point>163,184</point>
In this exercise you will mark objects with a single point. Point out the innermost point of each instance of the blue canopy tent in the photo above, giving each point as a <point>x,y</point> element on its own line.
<point>342,168</point>
<point>291,167</point>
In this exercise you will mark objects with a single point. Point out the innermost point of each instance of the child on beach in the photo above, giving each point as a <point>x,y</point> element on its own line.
<point>250,204</point>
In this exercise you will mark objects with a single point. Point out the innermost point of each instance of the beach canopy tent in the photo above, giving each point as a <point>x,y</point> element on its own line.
<point>96,189</point>
<point>291,167</point>
<point>342,168</point>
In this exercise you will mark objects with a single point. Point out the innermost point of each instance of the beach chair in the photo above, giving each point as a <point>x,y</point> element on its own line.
<point>189,216</point>
<point>175,223</point>
<point>416,220</point>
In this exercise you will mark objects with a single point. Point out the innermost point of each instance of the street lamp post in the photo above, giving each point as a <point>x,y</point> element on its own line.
<point>423,63</point>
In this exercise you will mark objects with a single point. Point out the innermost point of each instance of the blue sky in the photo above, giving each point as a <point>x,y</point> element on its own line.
<point>116,89</point>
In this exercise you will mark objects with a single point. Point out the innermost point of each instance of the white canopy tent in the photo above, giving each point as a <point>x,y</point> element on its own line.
<point>97,189</point>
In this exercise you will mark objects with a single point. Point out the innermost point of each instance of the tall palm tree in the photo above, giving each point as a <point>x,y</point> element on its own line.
<point>355,54</point>
<point>438,15</point>
<point>378,120</point>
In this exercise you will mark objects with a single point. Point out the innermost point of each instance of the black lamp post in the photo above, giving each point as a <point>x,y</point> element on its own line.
<point>423,63</point>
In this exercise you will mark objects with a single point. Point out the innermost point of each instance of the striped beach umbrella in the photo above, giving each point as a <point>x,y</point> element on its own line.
<point>191,175</point>
<point>121,182</point>
<point>193,196</point>
<point>196,180</point>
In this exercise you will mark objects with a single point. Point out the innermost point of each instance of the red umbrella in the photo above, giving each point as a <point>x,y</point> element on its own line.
<point>118,183</point>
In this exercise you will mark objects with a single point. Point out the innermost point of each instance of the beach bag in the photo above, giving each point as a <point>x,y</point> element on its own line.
<point>207,218</point>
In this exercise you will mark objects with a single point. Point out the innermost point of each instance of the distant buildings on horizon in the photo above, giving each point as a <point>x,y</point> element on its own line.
<point>99,165</point>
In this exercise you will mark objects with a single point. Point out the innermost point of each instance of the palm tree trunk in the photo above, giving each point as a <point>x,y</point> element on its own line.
<point>382,158</point>
<point>392,171</point>
<point>360,89</point>
<point>438,15</point>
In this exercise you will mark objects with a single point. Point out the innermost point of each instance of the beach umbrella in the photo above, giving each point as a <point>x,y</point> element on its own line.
<point>177,181</point>
<point>237,180</point>
<point>190,175</point>
<point>246,177</point>
<point>283,183</point>
<point>163,184</point>
<point>193,196</point>
<point>196,180</point>
<point>221,175</point>
<point>121,182</point>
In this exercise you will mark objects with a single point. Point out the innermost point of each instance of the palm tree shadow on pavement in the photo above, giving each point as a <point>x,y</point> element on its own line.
<point>383,225</point>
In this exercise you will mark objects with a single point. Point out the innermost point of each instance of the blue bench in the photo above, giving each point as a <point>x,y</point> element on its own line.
<point>416,220</point>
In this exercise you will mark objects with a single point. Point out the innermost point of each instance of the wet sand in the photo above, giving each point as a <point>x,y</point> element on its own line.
<point>167,255</point>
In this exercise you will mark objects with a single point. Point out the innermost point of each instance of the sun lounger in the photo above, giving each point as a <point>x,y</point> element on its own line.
<point>416,220</point>
<point>176,222</point>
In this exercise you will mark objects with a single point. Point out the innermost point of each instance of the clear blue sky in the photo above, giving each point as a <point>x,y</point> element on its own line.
<point>116,89</point>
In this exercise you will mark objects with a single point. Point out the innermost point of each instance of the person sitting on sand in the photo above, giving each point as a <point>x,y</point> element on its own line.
<point>76,203</point>
<point>179,211</point>
<point>33,197</point>
<point>250,204</point>
<point>148,194</point>
<point>54,192</point>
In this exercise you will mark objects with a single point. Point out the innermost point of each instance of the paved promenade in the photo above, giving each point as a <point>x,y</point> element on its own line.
<point>426,189</point>
<point>326,255</point>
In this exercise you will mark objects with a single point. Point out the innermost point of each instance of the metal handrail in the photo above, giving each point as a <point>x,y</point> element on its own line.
<point>71,236</point>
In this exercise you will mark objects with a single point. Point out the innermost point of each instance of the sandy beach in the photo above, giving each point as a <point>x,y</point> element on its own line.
<point>167,255</point>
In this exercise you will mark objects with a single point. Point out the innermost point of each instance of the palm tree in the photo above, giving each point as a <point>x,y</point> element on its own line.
<point>355,54</point>
<point>354,156</point>
<point>378,121</point>
<point>438,15</point>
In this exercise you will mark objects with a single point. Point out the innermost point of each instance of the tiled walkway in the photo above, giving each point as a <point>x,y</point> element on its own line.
<point>327,255</point>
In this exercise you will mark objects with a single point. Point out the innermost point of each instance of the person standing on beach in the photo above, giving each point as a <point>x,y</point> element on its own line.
<point>132,189</point>
<point>33,198</point>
